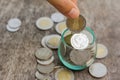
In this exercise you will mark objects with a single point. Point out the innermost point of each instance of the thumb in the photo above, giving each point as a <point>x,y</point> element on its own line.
<point>67,7</point>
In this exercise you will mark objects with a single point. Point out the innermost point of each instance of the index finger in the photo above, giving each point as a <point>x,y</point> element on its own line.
<point>67,7</point>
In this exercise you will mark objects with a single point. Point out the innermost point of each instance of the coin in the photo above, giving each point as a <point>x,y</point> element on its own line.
<point>43,41</point>
<point>45,69</point>
<point>79,57</point>
<point>14,23</point>
<point>102,51</point>
<point>79,41</point>
<point>88,63</point>
<point>89,35</point>
<point>60,27</point>
<point>98,70</point>
<point>77,24</point>
<point>11,30</point>
<point>43,53</point>
<point>62,49</point>
<point>47,78</point>
<point>44,23</point>
<point>64,74</point>
<point>39,75</point>
<point>47,62</point>
<point>57,17</point>
<point>67,39</point>
<point>53,41</point>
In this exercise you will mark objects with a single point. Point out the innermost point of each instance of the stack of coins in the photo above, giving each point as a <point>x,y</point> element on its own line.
<point>45,64</point>
<point>13,25</point>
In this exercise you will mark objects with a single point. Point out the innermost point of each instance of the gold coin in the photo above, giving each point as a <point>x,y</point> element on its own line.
<point>53,41</point>
<point>64,74</point>
<point>77,24</point>
<point>60,27</point>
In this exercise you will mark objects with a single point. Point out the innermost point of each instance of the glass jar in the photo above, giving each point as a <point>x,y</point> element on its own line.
<point>77,59</point>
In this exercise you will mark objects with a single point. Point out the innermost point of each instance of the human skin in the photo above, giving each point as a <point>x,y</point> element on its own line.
<point>67,7</point>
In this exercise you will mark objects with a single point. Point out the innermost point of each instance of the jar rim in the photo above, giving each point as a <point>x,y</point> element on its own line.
<point>67,64</point>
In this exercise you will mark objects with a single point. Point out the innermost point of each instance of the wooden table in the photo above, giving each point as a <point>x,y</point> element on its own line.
<point>17,61</point>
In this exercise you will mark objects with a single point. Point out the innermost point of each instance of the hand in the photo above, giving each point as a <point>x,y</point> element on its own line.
<point>67,7</point>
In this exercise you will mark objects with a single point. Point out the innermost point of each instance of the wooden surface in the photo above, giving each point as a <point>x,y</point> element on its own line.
<point>17,61</point>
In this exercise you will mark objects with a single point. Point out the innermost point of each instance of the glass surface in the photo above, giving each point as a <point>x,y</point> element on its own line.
<point>85,59</point>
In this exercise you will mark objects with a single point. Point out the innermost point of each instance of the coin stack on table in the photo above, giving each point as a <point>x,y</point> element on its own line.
<point>45,64</point>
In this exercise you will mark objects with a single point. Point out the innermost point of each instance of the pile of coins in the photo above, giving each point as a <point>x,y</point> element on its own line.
<point>45,56</point>
<point>13,25</point>
<point>45,64</point>
<point>48,41</point>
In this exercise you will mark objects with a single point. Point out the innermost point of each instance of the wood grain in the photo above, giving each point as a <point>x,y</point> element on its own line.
<point>17,61</point>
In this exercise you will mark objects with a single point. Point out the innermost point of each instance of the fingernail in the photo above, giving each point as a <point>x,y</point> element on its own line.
<point>74,13</point>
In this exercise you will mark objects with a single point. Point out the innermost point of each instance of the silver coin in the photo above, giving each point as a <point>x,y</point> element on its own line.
<point>11,30</point>
<point>98,70</point>
<point>43,53</point>
<point>89,35</point>
<point>45,69</point>
<point>88,63</point>
<point>57,17</point>
<point>39,75</point>
<point>79,41</point>
<point>47,62</point>
<point>14,23</point>
<point>47,78</point>
<point>79,57</point>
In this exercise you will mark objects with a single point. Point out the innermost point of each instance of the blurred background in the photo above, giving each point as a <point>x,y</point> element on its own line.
<point>17,61</point>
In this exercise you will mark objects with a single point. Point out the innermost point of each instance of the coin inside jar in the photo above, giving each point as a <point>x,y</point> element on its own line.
<point>79,57</point>
<point>76,24</point>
